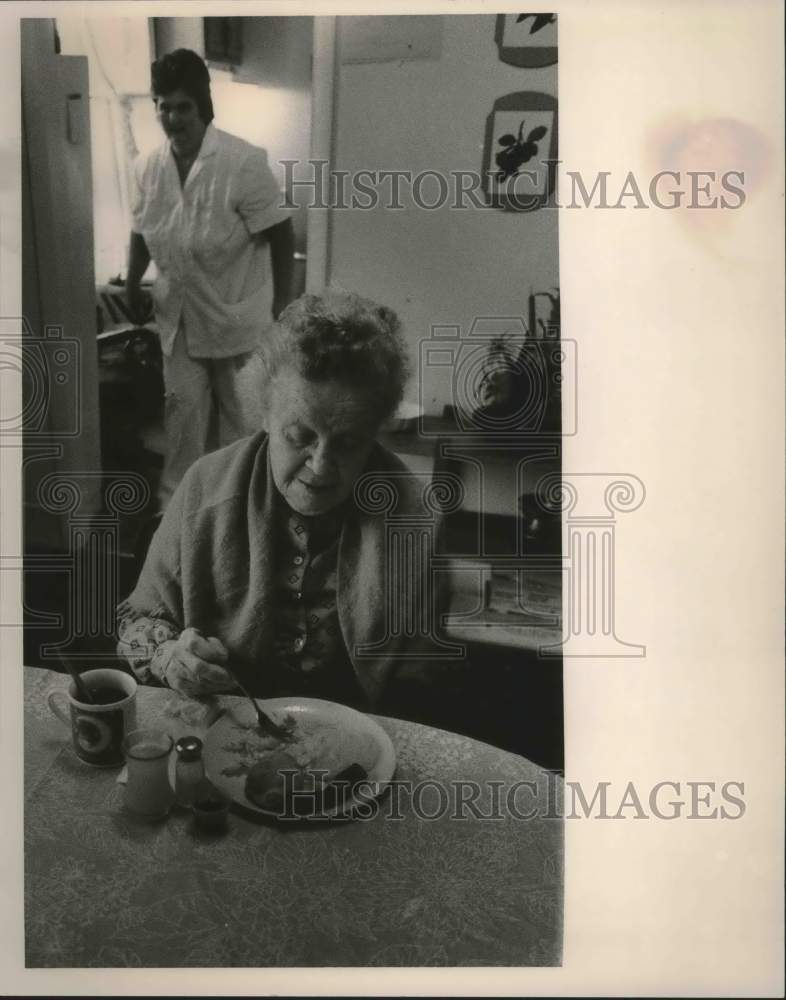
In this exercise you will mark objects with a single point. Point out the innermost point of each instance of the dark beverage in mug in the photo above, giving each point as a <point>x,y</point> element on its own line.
<point>107,695</point>
<point>98,729</point>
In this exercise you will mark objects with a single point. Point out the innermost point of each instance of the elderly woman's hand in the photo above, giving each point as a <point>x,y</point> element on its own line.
<point>195,665</point>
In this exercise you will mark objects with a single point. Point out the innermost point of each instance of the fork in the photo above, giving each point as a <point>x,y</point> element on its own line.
<point>263,719</point>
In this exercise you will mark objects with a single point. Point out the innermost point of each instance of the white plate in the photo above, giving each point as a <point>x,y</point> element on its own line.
<point>350,736</point>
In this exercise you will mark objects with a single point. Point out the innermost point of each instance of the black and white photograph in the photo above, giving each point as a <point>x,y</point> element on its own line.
<point>293,567</point>
<point>392,539</point>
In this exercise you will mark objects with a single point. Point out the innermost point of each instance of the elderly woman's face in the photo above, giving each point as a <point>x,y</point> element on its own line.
<point>321,435</point>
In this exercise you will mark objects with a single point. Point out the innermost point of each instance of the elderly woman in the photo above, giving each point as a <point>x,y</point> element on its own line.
<point>274,557</point>
<point>208,211</point>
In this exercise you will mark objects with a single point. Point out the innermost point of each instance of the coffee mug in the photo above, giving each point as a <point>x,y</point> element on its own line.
<point>98,730</point>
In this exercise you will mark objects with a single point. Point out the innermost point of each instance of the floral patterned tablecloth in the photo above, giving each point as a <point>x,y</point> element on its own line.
<point>105,890</point>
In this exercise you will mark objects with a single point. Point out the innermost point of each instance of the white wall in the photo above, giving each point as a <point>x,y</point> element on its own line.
<point>267,99</point>
<point>179,33</point>
<point>444,266</point>
<point>118,51</point>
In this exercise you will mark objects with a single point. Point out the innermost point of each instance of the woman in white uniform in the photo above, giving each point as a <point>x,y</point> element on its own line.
<point>208,211</point>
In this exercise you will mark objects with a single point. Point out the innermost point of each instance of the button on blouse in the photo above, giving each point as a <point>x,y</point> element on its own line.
<point>311,657</point>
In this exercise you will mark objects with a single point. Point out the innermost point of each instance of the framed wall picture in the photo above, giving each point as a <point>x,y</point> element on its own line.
<point>520,151</point>
<point>528,40</point>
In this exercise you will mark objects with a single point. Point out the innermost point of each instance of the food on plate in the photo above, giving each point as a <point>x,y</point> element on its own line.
<point>309,745</point>
<point>310,771</point>
<point>272,779</point>
<point>346,785</point>
<point>247,745</point>
<point>277,785</point>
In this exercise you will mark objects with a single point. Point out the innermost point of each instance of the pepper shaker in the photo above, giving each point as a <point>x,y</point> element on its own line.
<point>189,770</point>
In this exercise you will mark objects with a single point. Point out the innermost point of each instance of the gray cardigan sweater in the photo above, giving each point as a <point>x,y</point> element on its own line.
<point>210,566</point>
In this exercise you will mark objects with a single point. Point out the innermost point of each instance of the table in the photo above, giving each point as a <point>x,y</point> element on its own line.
<point>103,889</point>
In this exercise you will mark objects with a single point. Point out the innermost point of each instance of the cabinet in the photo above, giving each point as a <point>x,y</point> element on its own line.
<point>503,553</point>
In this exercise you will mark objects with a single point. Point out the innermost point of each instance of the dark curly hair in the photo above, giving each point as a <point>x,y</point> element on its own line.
<point>342,337</point>
<point>183,70</point>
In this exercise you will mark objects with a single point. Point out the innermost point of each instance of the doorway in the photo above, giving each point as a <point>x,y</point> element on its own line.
<point>100,67</point>
<point>261,87</point>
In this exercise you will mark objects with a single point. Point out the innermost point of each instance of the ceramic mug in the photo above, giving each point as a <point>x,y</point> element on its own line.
<point>98,730</point>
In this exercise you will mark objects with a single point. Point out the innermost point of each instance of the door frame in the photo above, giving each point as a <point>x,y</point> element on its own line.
<point>324,87</point>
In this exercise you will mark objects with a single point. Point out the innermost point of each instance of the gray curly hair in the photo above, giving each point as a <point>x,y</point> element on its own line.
<point>342,337</point>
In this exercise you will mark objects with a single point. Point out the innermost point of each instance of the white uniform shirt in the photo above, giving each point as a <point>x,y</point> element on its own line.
<point>211,275</point>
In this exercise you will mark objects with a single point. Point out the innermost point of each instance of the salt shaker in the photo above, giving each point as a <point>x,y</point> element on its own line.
<point>189,770</point>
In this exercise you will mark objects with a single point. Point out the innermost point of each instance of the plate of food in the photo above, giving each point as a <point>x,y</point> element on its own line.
<point>332,760</point>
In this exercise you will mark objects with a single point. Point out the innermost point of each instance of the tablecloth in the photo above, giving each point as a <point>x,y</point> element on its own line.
<point>103,889</point>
